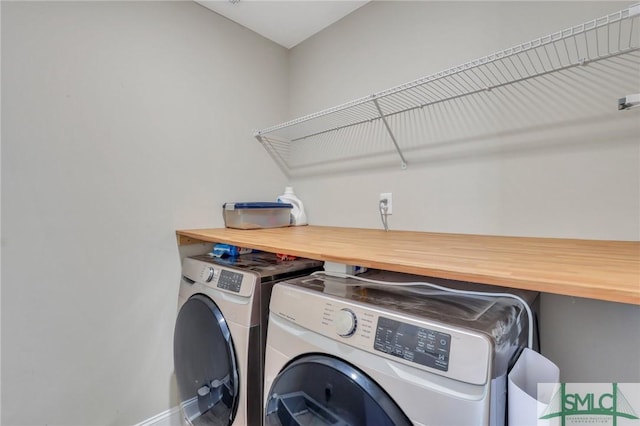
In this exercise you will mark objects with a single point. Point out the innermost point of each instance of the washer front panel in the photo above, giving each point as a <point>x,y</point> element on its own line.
<point>453,352</point>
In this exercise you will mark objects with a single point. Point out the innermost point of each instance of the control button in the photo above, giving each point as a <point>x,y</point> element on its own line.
<point>209,272</point>
<point>346,322</point>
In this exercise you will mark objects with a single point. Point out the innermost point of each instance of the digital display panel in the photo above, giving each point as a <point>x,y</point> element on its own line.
<point>416,344</point>
<point>229,280</point>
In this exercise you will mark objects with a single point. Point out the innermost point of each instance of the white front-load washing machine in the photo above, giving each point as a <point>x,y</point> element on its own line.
<point>220,334</point>
<point>343,352</point>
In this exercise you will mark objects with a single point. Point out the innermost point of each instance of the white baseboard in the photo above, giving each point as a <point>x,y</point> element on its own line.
<point>171,417</point>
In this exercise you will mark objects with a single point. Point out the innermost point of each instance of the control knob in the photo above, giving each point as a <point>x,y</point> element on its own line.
<point>208,274</point>
<point>345,322</point>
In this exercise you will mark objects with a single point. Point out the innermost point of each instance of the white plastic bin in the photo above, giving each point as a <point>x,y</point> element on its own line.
<point>256,215</point>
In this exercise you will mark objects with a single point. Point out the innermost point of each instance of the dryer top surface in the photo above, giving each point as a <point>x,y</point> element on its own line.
<point>267,265</point>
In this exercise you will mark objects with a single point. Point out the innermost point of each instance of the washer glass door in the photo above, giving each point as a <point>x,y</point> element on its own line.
<point>205,363</point>
<point>322,390</point>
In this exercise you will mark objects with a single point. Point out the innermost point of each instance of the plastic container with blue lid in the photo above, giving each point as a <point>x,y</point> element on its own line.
<point>256,215</point>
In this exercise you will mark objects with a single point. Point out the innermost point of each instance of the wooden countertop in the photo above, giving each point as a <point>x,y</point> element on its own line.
<point>605,270</point>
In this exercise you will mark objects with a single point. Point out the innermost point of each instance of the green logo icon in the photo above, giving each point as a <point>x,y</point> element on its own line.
<point>566,404</point>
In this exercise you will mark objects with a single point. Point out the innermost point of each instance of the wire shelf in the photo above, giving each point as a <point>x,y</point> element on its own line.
<point>370,126</point>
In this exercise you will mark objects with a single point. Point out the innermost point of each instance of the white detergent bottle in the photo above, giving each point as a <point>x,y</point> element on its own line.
<point>298,217</point>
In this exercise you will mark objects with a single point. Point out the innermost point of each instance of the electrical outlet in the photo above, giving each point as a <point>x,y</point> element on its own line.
<point>387,196</point>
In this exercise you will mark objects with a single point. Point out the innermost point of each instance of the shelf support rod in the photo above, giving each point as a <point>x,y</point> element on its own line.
<point>403,164</point>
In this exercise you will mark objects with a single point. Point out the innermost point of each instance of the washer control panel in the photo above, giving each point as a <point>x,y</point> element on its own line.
<point>420,342</point>
<point>224,279</point>
<point>422,345</point>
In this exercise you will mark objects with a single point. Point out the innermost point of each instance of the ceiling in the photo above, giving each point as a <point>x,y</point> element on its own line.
<point>284,22</point>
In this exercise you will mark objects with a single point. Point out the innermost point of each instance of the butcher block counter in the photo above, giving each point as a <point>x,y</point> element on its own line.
<point>605,270</point>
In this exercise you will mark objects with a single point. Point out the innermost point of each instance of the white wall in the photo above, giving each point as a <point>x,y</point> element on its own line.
<point>575,173</point>
<point>122,122</point>
<point>125,121</point>
<point>0,228</point>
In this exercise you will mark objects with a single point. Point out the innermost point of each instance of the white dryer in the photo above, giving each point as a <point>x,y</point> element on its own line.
<point>220,334</point>
<point>340,352</point>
